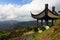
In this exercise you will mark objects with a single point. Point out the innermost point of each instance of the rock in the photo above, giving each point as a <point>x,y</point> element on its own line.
<point>47,27</point>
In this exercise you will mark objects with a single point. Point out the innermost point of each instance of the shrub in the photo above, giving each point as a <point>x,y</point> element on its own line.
<point>35,29</point>
<point>1,36</point>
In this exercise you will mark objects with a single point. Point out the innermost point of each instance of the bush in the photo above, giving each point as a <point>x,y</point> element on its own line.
<point>2,36</point>
<point>42,28</point>
<point>35,29</point>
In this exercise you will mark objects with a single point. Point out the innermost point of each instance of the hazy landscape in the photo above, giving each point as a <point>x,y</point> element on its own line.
<point>29,19</point>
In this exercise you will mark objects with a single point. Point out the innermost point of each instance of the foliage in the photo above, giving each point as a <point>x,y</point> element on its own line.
<point>45,35</point>
<point>1,36</point>
<point>42,28</point>
<point>35,29</point>
<point>52,33</point>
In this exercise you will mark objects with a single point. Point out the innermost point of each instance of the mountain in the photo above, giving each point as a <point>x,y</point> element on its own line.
<point>7,25</point>
<point>14,25</point>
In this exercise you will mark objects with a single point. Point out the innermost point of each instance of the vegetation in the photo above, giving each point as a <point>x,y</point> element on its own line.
<point>17,33</point>
<point>52,33</point>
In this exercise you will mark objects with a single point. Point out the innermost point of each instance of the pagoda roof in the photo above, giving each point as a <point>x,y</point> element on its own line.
<point>50,14</point>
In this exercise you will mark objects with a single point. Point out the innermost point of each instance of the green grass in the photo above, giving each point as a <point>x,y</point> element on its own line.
<point>39,36</point>
<point>47,35</point>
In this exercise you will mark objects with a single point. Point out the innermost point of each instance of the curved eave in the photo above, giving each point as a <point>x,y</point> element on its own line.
<point>56,17</point>
<point>52,15</point>
<point>34,16</point>
<point>41,15</point>
<point>37,16</point>
<point>55,13</point>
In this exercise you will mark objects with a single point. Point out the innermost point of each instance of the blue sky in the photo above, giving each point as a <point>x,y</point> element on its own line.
<point>17,2</point>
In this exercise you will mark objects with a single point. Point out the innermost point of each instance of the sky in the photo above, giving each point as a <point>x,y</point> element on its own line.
<point>16,2</point>
<point>20,9</point>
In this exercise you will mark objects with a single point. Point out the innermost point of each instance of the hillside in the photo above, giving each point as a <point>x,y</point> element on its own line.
<point>30,33</point>
<point>51,34</point>
<point>47,35</point>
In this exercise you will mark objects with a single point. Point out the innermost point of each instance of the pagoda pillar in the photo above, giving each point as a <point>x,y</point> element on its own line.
<point>46,22</point>
<point>55,21</point>
<point>52,22</point>
<point>37,22</point>
<point>41,22</point>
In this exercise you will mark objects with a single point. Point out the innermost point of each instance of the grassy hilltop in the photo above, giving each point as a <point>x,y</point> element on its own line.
<point>51,34</point>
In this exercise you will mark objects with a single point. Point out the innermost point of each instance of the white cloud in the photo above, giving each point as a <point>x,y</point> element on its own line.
<point>22,13</point>
<point>10,17</point>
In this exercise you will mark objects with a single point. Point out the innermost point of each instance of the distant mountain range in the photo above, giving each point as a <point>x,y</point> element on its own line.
<point>7,25</point>
<point>13,25</point>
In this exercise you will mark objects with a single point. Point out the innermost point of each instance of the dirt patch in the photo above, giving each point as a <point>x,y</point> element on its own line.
<point>46,37</point>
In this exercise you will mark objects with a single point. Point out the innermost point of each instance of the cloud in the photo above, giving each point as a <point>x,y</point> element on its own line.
<point>22,13</point>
